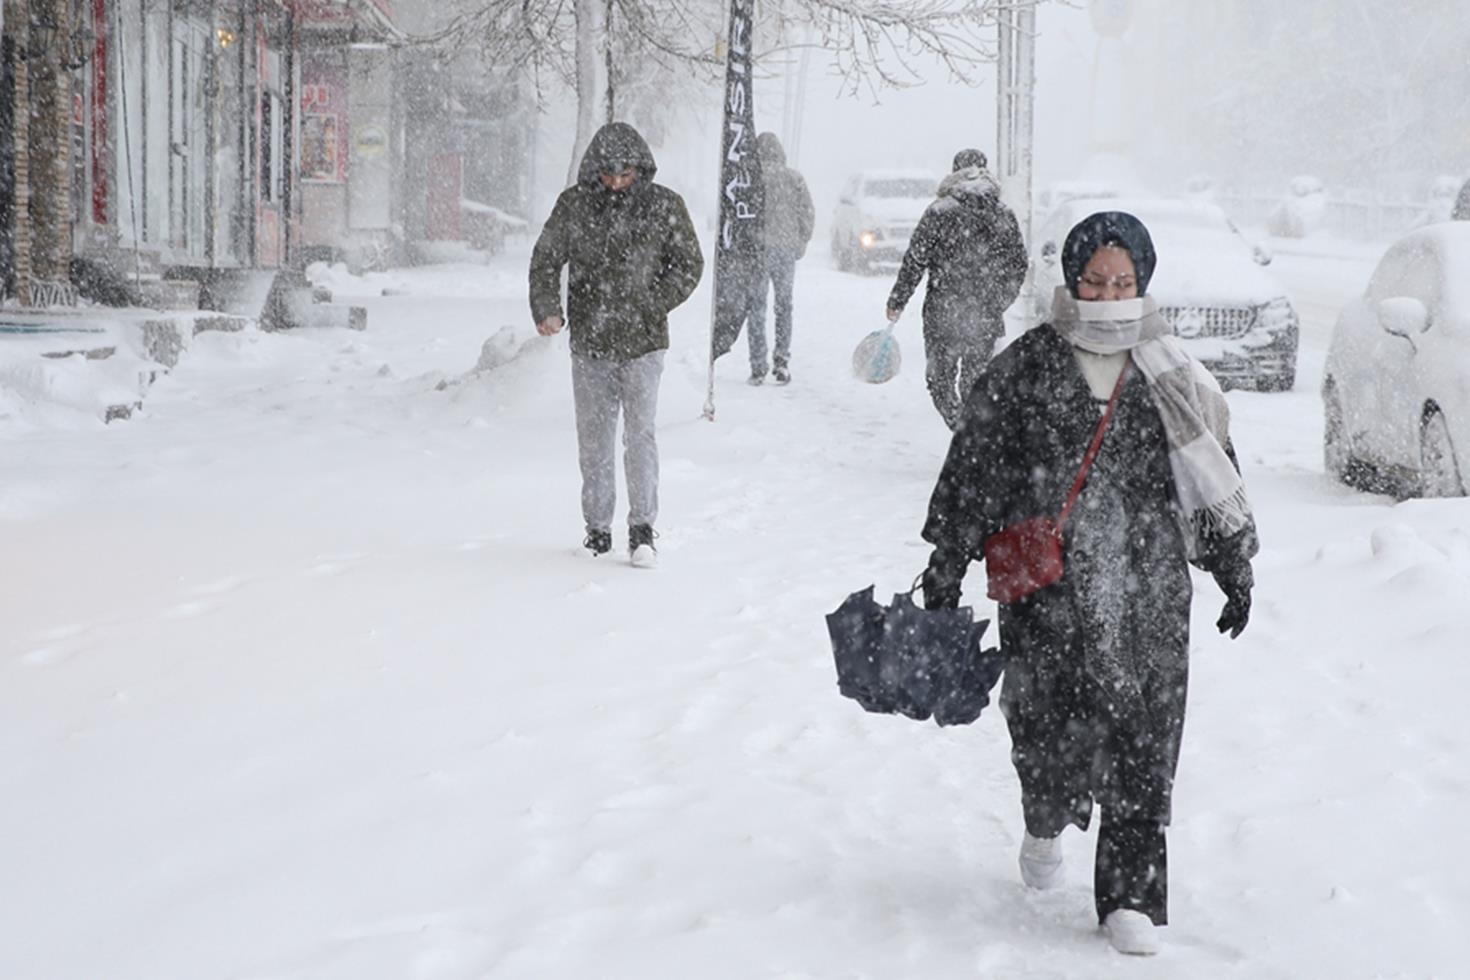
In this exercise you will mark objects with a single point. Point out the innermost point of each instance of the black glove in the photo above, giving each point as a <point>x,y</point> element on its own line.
<point>1236,584</point>
<point>942,580</point>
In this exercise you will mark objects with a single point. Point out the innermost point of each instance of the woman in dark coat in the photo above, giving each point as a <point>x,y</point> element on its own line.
<point>1097,664</point>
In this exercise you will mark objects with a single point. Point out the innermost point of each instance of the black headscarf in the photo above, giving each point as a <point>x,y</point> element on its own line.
<point>1118,228</point>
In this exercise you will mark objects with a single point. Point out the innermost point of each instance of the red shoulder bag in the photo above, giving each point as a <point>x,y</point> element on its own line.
<point>1025,557</point>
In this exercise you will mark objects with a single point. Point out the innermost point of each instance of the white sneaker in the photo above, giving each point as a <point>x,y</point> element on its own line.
<point>641,551</point>
<point>1131,932</point>
<point>1041,861</point>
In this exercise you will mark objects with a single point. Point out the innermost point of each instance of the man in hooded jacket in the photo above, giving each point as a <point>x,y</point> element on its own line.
<point>790,217</point>
<point>970,245</point>
<point>632,256</point>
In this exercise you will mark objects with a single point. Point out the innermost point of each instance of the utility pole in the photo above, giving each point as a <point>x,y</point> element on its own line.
<point>793,105</point>
<point>607,55</point>
<point>1015,103</point>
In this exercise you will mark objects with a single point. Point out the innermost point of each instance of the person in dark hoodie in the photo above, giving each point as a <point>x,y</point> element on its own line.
<point>970,245</point>
<point>1097,663</point>
<point>632,256</point>
<point>790,217</point>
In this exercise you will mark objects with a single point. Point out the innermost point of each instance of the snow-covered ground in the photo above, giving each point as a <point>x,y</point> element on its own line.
<point>304,674</point>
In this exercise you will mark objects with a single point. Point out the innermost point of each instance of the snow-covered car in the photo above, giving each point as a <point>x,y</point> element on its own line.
<point>1211,285</point>
<point>876,213</point>
<point>1396,392</point>
<point>1056,194</point>
<point>1301,211</point>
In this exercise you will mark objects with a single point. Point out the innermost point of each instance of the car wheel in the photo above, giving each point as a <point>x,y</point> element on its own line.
<point>1439,473</point>
<point>839,254</point>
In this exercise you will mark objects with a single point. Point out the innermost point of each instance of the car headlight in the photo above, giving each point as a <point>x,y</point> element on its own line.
<point>868,239</point>
<point>1276,316</point>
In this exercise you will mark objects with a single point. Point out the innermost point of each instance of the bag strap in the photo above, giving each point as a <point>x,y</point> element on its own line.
<point>1092,450</point>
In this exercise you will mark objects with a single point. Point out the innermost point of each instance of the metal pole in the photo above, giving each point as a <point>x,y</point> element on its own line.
<point>1015,101</point>
<point>289,169</point>
<point>211,136</point>
<point>607,54</point>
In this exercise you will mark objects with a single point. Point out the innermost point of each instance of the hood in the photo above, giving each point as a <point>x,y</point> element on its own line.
<point>613,147</point>
<point>772,153</point>
<point>973,183</point>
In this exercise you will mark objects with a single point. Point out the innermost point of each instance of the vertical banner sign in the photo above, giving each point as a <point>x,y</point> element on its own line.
<point>740,245</point>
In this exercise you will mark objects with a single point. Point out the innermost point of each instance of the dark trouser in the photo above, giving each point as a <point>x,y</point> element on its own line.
<point>1132,868</point>
<point>780,275</point>
<point>955,359</point>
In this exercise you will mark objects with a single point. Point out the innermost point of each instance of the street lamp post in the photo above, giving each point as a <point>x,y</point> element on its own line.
<point>1015,101</point>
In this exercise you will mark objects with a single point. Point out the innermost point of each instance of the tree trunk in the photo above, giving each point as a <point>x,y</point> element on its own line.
<point>50,145</point>
<point>589,34</point>
<point>21,250</point>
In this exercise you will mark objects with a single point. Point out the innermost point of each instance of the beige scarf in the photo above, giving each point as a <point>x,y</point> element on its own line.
<point>1196,416</point>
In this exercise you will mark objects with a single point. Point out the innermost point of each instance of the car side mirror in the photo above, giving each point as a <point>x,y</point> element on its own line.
<point>1403,316</point>
<point>1049,253</point>
<point>844,200</point>
<point>1261,255</point>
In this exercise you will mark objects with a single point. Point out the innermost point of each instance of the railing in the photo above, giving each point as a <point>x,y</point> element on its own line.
<point>1360,215</point>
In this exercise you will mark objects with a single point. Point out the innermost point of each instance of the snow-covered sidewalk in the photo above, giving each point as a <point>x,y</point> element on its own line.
<point>305,675</point>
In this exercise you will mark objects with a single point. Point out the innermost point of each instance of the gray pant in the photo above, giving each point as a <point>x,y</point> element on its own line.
<point>780,274</point>
<point>600,386</point>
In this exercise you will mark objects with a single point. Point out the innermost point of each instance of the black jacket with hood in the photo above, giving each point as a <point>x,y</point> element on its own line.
<point>970,245</point>
<point>632,255</point>
<point>790,215</point>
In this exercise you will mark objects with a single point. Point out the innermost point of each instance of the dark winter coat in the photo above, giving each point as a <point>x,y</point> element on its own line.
<point>970,245</point>
<point>790,215</point>
<point>632,255</point>
<point>1097,664</point>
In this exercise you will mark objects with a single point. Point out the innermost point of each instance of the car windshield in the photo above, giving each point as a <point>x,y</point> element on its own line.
<point>899,187</point>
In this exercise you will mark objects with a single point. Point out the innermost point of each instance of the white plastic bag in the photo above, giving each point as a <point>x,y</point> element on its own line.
<point>877,357</point>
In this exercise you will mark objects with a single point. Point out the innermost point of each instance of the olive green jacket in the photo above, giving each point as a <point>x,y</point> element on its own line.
<point>631,256</point>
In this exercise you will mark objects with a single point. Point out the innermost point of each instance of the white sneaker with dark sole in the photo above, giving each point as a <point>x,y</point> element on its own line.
<point>1131,932</point>
<point>1041,861</point>
<point>641,551</point>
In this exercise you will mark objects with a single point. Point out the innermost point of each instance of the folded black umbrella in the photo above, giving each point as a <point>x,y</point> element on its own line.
<point>901,659</point>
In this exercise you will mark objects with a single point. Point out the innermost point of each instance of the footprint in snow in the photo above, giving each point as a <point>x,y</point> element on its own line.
<point>336,565</point>
<point>220,587</point>
<point>188,610</point>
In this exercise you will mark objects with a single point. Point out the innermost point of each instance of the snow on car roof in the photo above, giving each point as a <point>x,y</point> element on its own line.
<point>1451,239</point>
<point>1155,210</point>
<point>1201,262</point>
